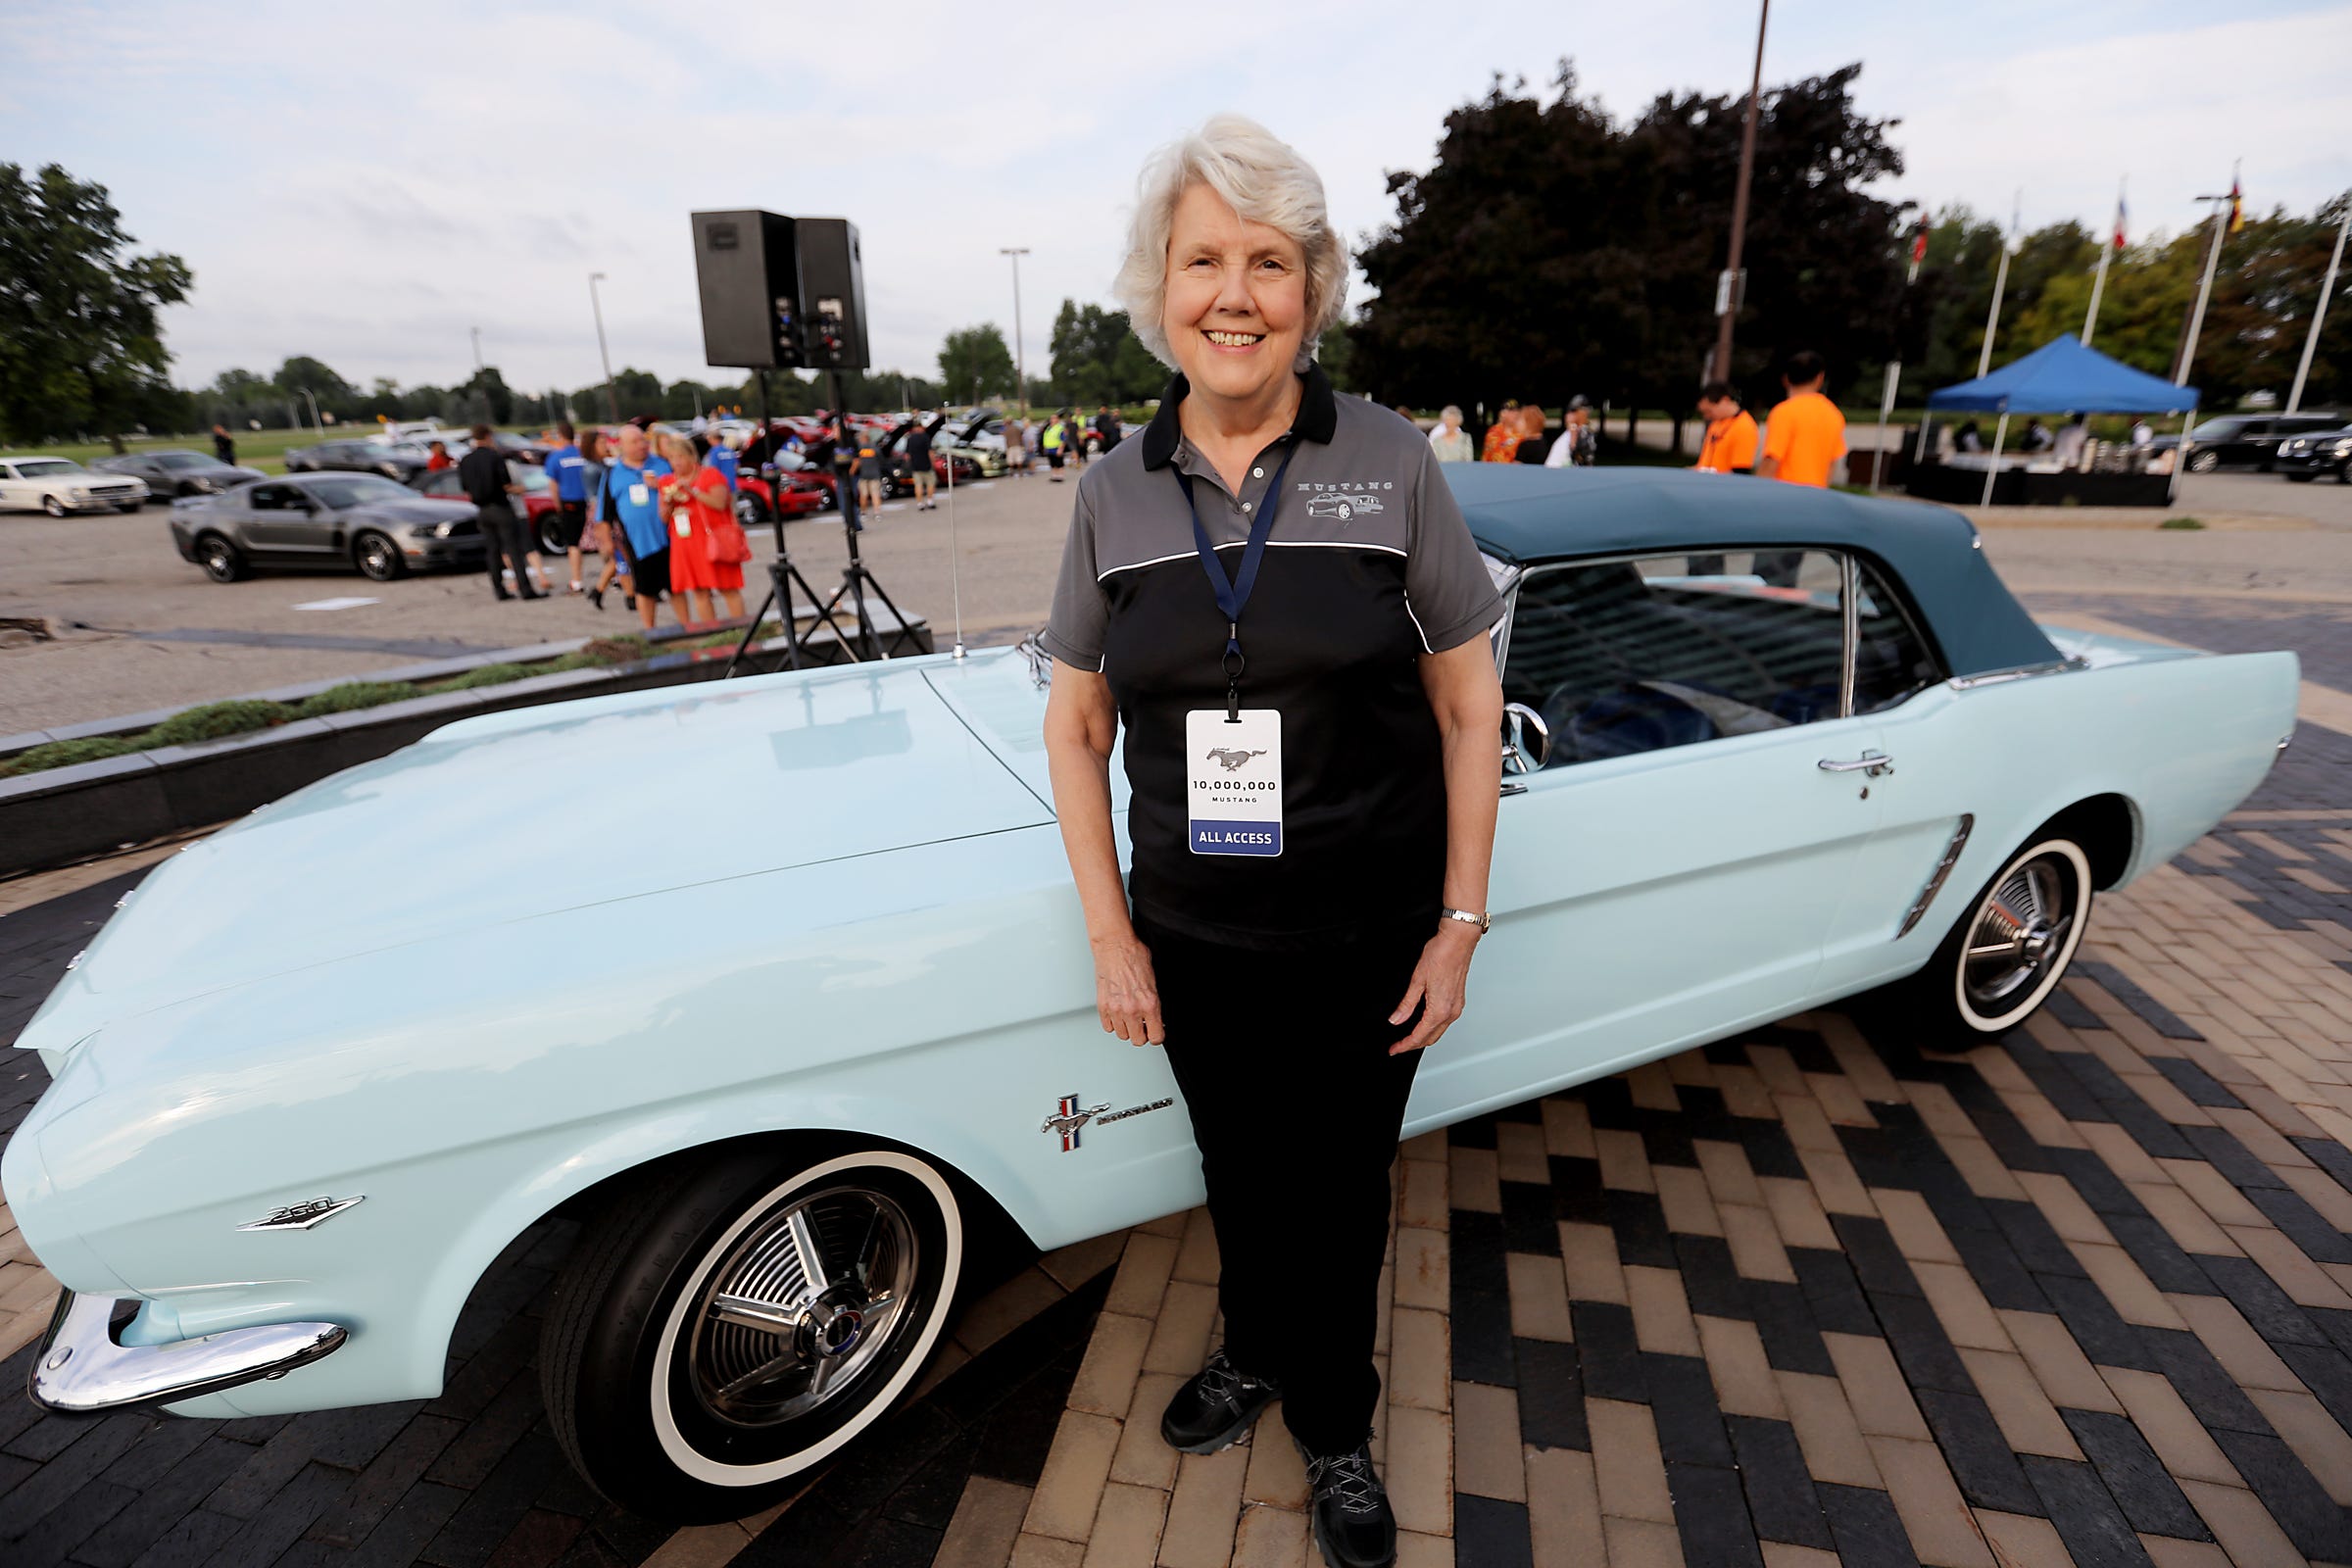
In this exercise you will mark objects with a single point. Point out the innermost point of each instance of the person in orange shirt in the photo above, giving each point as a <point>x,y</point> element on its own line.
<point>1503,436</point>
<point>1806,434</point>
<point>1730,446</point>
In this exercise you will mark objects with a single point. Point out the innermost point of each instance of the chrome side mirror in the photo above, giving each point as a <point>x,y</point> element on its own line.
<point>1517,719</point>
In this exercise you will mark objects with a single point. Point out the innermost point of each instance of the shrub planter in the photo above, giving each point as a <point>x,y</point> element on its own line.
<point>62,814</point>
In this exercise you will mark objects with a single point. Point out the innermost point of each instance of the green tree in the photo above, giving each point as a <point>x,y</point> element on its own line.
<point>484,396</point>
<point>1553,251</point>
<point>1096,359</point>
<point>974,363</point>
<point>82,347</point>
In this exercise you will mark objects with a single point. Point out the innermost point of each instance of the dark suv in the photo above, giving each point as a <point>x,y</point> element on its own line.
<point>355,457</point>
<point>2250,440</point>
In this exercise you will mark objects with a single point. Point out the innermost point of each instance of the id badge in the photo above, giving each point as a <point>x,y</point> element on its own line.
<point>680,521</point>
<point>1233,781</point>
<point>639,495</point>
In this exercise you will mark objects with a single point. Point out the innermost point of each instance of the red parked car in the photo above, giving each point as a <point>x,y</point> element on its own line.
<point>538,502</point>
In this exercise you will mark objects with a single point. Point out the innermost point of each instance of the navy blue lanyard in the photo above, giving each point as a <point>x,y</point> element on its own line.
<point>1233,595</point>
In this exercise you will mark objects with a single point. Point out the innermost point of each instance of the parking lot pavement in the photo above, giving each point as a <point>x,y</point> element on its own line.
<point>1808,1294</point>
<point>137,628</point>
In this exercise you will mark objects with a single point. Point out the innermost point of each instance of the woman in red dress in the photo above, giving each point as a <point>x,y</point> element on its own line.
<point>701,511</point>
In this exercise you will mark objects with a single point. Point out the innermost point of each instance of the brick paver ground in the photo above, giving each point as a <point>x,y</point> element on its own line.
<point>2081,1296</point>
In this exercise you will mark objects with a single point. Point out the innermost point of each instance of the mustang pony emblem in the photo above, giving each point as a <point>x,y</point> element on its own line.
<point>1231,760</point>
<point>1069,1118</point>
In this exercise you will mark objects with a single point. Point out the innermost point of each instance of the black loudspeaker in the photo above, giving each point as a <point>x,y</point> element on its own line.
<point>832,294</point>
<point>747,266</point>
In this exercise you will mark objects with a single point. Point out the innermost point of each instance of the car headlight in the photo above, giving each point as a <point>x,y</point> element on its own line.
<point>2344,445</point>
<point>80,493</point>
<point>202,484</point>
<point>442,530</point>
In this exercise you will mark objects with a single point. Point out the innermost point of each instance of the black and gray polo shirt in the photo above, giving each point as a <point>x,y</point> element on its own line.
<point>1369,566</point>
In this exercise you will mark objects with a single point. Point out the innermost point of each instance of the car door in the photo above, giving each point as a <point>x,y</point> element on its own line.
<point>1673,869</point>
<point>11,488</point>
<point>281,520</point>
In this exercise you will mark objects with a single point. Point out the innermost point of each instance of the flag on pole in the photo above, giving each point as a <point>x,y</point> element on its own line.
<point>2237,206</point>
<point>2118,241</point>
<point>1919,249</point>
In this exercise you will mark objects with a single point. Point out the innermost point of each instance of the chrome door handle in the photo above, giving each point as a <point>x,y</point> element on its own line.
<point>1870,765</point>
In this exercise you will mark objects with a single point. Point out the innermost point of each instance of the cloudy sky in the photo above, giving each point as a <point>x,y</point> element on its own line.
<point>368,184</point>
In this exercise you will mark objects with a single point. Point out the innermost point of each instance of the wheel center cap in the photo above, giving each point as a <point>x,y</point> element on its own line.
<point>834,1327</point>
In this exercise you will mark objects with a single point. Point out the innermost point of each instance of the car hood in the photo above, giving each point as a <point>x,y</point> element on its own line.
<point>508,816</point>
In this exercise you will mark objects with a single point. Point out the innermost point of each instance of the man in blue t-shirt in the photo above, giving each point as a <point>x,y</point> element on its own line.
<point>628,497</point>
<point>722,457</point>
<point>568,470</point>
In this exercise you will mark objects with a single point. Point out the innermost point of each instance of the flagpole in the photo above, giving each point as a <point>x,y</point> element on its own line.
<point>2098,284</point>
<point>2000,281</point>
<point>2319,312</point>
<point>2196,318</point>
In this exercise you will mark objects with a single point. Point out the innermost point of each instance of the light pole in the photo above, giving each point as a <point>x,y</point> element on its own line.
<point>1020,370</point>
<point>477,351</point>
<point>612,393</point>
<point>1727,295</point>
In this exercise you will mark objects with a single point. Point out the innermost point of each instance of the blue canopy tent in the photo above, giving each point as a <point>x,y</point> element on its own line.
<point>2062,376</point>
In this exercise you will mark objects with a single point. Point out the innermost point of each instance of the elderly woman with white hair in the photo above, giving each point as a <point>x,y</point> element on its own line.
<point>1273,592</point>
<point>1449,441</point>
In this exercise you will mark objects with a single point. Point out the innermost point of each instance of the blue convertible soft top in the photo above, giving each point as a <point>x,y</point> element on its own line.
<point>1529,514</point>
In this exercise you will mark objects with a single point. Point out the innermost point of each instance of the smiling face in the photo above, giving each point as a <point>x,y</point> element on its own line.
<point>632,446</point>
<point>1236,305</point>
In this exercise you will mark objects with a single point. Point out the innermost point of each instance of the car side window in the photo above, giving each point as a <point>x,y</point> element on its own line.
<point>1891,660</point>
<point>1622,657</point>
<point>269,497</point>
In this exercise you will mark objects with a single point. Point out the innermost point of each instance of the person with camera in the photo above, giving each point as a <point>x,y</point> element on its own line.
<point>1312,741</point>
<point>706,546</point>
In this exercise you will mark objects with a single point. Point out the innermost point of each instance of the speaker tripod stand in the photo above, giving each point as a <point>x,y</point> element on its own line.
<point>857,579</point>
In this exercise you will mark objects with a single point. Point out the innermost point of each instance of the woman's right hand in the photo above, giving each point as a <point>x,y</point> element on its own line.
<point>1126,996</point>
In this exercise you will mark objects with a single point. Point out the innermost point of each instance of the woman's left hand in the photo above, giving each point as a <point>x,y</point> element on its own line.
<point>1441,985</point>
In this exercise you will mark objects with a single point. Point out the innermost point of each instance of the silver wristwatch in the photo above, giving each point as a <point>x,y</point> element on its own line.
<point>1484,923</point>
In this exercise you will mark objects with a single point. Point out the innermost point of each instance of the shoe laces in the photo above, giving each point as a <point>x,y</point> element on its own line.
<point>1221,1382</point>
<point>1348,1478</point>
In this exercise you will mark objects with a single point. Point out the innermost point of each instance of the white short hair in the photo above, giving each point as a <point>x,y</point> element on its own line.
<point>1264,181</point>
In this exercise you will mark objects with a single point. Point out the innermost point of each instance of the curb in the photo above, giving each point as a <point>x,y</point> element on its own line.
<point>64,814</point>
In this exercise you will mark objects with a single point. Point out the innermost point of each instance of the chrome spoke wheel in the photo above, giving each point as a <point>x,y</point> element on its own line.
<point>2023,932</point>
<point>802,1306</point>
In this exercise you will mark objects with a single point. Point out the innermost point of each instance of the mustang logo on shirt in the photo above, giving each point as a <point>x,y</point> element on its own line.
<point>1233,761</point>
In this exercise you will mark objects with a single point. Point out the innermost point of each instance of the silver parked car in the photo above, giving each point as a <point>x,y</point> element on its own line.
<point>336,521</point>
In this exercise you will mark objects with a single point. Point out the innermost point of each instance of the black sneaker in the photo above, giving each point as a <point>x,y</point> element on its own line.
<point>1214,1406</point>
<point>1353,1524</point>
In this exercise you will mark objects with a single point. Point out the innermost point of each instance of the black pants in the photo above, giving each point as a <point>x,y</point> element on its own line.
<point>501,534</point>
<point>1296,1105</point>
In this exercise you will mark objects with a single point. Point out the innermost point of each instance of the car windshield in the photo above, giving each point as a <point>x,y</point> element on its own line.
<point>378,452</point>
<point>2218,429</point>
<point>356,490</point>
<point>181,459</point>
<point>48,468</point>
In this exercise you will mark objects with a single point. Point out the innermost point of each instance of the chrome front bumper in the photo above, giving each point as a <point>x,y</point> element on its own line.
<point>80,1370</point>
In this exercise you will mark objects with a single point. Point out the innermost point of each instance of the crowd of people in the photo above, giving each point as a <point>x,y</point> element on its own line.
<point>1800,442</point>
<point>658,504</point>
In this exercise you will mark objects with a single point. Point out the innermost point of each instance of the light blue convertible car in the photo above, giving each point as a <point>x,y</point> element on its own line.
<point>1768,747</point>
